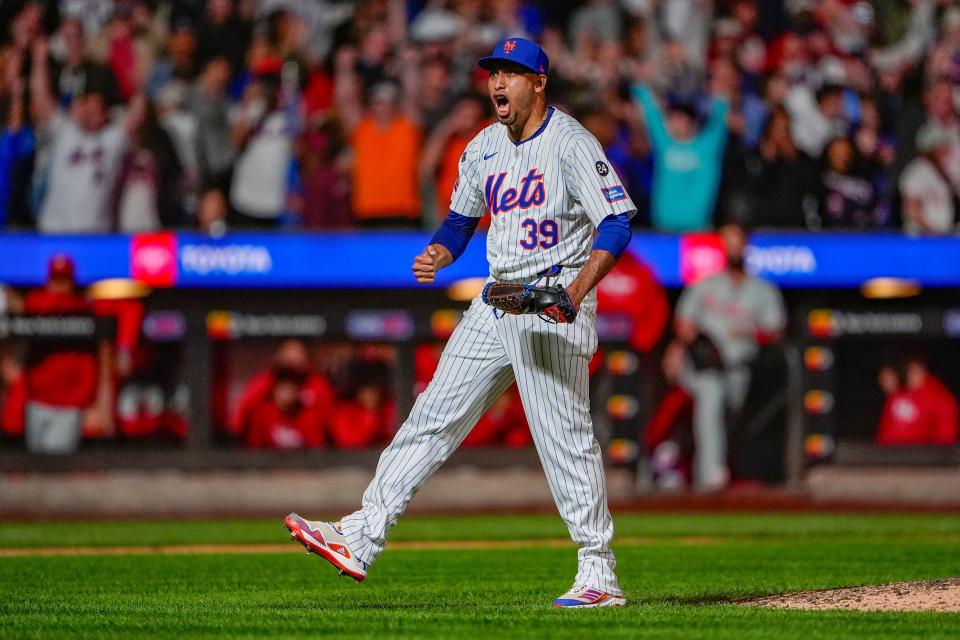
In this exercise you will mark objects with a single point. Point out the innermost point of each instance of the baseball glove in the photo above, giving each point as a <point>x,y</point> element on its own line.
<point>552,303</point>
<point>704,354</point>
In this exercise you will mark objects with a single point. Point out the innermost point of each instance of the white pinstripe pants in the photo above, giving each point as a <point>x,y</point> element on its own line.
<point>484,355</point>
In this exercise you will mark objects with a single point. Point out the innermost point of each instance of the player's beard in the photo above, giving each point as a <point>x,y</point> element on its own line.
<point>735,263</point>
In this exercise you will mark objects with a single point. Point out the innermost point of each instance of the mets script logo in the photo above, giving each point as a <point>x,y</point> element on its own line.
<point>509,46</point>
<point>531,194</point>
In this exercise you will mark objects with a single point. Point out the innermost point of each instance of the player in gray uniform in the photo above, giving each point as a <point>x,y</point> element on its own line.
<point>548,186</point>
<point>737,313</point>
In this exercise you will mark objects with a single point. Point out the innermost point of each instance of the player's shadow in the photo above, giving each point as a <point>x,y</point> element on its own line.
<point>681,601</point>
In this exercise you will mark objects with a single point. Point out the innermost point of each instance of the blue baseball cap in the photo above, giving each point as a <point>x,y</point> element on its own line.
<point>519,51</point>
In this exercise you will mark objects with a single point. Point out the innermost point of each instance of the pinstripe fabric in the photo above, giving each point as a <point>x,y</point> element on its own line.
<point>473,371</point>
<point>551,366</point>
<point>486,353</point>
<point>575,172</point>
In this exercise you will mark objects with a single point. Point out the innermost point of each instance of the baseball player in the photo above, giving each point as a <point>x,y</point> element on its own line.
<point>548,186</point>
<point>721,323</point>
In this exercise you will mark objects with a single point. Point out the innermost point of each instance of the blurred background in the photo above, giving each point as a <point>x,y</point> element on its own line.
<point>208,212</point>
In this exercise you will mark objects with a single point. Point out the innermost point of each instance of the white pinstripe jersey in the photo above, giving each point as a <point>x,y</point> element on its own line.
<point>546,194</point>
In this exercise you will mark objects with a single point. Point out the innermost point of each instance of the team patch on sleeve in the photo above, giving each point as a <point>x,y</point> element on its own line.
<point>614,194</point>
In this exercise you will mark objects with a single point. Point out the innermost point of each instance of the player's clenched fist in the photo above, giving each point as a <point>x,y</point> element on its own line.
<point>426,265</point>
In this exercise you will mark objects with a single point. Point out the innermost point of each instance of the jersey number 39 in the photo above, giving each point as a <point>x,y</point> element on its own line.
<point>543,235</point>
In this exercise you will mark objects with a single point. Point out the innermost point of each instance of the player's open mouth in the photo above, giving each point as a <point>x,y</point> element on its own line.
<point>502,103</point>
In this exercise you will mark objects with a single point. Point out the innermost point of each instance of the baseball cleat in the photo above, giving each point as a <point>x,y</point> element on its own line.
<point>584,597</point>
<point>326,539</point>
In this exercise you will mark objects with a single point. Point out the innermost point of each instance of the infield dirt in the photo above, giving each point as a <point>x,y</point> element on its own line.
<point>926,595</point>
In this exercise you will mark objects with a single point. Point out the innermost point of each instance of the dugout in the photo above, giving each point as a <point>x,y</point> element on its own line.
<point>200,336</point>
<point>843,345</point>
<point>232,297</point>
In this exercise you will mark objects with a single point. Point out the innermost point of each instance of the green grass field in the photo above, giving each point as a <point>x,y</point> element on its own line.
<point>676,570</point>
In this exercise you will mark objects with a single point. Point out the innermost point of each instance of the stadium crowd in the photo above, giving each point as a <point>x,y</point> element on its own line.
<point>137,114</point>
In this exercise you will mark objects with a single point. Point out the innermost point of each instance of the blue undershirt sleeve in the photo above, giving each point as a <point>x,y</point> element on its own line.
<point>455,233</point>
<point>614,234</point>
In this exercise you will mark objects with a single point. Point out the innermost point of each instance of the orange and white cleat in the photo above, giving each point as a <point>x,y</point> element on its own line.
<point>326,539</point>
<point>585,597</point>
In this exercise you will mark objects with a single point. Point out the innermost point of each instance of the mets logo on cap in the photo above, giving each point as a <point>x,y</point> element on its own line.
<point>517,51</point>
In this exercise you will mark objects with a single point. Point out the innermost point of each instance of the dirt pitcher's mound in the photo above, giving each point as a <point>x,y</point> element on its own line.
<point>928,595</point>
